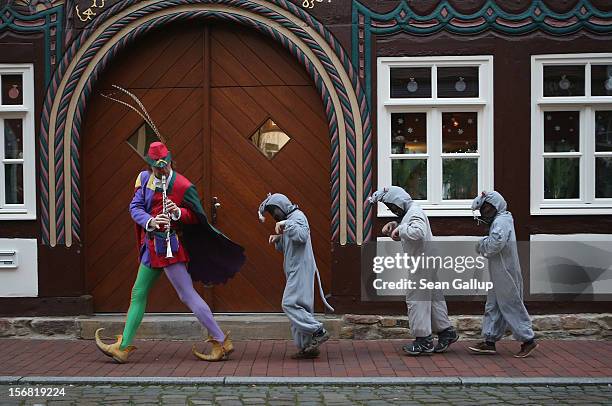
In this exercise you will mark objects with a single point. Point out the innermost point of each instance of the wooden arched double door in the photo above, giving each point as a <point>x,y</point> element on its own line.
<point>209,88</point>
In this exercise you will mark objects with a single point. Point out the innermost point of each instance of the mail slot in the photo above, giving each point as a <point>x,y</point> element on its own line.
<point>8,259</point>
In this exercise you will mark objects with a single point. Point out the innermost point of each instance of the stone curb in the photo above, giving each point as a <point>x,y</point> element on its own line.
<point>231,380</point>
<point>276,326</point>
<point>269,380</point>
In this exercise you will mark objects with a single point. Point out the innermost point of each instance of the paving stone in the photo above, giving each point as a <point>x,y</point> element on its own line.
<point>471,395</point>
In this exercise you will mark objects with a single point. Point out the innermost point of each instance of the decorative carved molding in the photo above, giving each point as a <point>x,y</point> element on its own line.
<point>48,21</point>
<point>538,16</point>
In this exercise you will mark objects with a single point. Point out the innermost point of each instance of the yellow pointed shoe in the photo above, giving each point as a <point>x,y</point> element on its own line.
<point>113,350</point>
<point>219,351</point>
<point>228,345</point>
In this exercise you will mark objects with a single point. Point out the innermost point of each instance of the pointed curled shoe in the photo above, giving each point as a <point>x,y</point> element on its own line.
<point>219,351</point>
<point>228,345</point>
<point>112,350</point>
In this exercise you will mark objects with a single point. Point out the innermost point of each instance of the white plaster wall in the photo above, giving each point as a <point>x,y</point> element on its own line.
<point>22,280</point>
<point>570,263</point>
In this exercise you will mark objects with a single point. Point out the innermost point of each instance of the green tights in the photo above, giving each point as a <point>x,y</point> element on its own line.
<point>145,280</point>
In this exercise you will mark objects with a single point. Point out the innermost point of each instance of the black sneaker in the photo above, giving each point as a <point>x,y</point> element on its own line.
<point>445,339</point>
<point>304,354</point>
<point>422,345</point>
<point>526,349</point>
<point>483,348</point>
<point>318,338</point>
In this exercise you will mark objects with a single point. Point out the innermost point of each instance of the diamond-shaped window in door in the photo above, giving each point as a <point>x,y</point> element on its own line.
<point>141,139</point>
<point>269,139</point>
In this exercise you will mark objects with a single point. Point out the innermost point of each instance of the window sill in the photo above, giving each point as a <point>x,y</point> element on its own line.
<point>6,215</point>
<point>571,210</point>
<point>436,212</point>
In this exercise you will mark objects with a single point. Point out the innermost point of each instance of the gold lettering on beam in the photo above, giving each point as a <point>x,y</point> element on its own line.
<point>308,4</point>
<point>89,14</point>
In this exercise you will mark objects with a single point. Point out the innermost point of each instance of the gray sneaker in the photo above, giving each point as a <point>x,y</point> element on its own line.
<point>318,338</point>
<point>445,339</point>
<point>422,345</point>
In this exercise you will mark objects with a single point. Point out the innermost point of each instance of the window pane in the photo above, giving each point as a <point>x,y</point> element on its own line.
<point>561,178</point>
<point>410,82</point>
<point>601,80</point>
<point>408,133</point>
<point>458,82</point>
<point>561,131</point>
<point>269,139</point>
<point>565,80</point>
<point>459,178</point>
<point>603,177</point>
<point>142,138</point>
<point>13,138</point>
<point>410,174</point>
<point>13,175</point>
<point>12,89</point>
<point>459,132</point>
<point>603,131</point>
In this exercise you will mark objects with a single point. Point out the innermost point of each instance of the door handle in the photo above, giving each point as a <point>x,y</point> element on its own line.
<point>215,205</point>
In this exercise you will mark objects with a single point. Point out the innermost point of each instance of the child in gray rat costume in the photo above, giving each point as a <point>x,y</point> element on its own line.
<point>292,238</point>
<point>504,307</point>
<point>427,311</point>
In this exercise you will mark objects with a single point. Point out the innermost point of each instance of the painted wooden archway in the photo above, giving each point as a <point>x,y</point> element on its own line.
<point>309,42</point>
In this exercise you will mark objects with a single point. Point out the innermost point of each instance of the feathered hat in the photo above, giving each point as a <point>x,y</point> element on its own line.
<point>158,154</point>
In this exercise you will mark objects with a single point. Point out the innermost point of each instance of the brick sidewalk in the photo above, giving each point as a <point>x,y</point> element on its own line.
<point>343,358</point>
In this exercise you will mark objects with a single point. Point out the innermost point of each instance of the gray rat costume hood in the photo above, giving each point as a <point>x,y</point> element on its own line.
<point>394,195</point>
<point>279,200</point>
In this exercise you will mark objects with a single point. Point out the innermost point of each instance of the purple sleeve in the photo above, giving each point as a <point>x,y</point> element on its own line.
<point>137,208</point>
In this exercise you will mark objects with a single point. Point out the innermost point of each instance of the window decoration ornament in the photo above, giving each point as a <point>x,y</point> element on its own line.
<point>564,83</point>
<point>412,86</point>
<point>13,93</point>
<point>608,83</point>
<point>460,85</point>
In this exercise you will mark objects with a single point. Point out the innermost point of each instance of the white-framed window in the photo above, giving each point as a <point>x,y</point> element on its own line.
<point>571,134</point>
<point>17,166</point>
<point>435,130</point>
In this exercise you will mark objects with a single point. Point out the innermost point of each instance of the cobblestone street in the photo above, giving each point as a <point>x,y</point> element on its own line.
<point>318,395</point>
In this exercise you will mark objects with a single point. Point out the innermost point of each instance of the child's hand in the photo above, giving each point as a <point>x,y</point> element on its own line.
<point>395,234</point>
<point>280,227</point>
<point>273,238</point>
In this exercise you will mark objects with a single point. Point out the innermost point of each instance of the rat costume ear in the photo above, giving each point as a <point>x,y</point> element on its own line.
<point>479,201</point>
<point>262,208</point>
<point>378,195</point>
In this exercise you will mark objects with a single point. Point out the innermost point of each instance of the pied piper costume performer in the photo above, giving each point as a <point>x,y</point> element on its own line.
<point>427,311</point>
<point>504,307</point>
<point>300,269</point>
<point>197,252</point>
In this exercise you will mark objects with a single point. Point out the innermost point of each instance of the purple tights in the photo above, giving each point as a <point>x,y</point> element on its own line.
<point>181,280</point>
